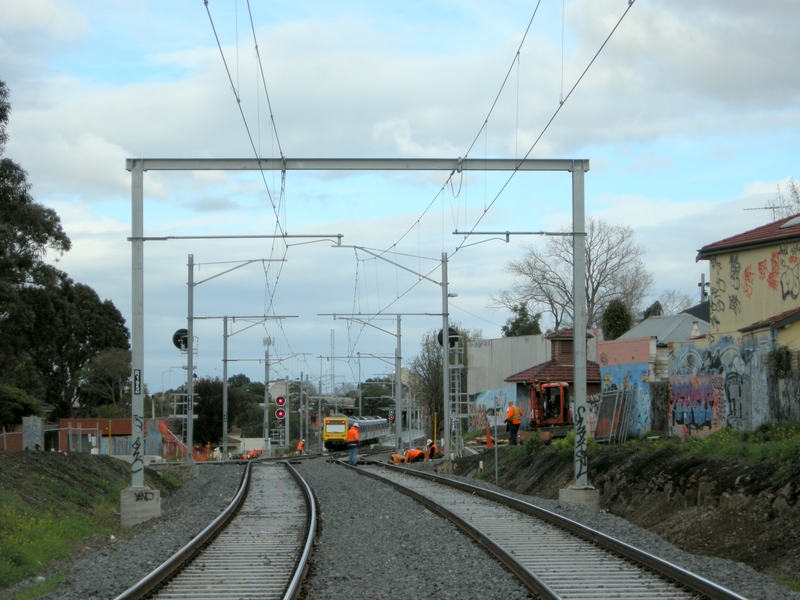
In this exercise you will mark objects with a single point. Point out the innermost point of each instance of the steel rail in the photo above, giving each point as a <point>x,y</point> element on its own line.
<point>178,576</point>
<point>293,591</point>
<point>528,578</point>
<point>169,567</point>
<point>673,572</point>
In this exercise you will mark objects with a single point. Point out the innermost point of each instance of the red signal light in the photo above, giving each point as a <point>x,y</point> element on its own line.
<point>280,400</point>
<point>280,413</point>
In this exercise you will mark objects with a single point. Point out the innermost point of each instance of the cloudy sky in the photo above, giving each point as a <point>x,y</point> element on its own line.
<point>689,116</point>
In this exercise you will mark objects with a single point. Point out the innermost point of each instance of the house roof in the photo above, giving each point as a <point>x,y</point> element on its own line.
<point>46,406</point>
<point>701,311</point>
<point>781,231</point>
<point>666,329</point>
<point>564,334</point>
<point>556,371</point>
<point>775,322</point>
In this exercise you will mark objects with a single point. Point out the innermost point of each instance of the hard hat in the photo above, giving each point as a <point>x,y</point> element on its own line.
<point>302,440</point>
<point>355,424</point>
<point>430,442</point>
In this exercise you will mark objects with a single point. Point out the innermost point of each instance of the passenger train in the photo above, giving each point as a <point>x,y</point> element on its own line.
<point>334,430</point>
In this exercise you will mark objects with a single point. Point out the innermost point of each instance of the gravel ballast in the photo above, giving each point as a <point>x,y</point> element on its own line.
<point>373,542</point>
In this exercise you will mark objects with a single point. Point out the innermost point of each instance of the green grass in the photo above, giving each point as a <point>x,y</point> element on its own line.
<point>45,515</point>
<point>39,588</point>
<point>171,477</point>
<point>767,442</point>
<point>792,585</point>
<point>469,435</point>
<point>31,539</point>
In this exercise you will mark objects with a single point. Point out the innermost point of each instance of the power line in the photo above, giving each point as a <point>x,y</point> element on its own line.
<point>552,118</point>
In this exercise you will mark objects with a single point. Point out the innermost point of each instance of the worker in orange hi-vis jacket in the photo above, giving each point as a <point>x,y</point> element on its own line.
<point>353,438</point>
<point>431,450</point>
<point>513,419</point>
<point>414,455</point>
<point>301,445</point>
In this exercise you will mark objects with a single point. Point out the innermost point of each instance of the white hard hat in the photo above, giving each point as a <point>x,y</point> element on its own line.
<point>430,442</point>
<point>355,424</point>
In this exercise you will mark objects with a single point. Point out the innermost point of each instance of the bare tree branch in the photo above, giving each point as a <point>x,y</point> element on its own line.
<point>614,270</point>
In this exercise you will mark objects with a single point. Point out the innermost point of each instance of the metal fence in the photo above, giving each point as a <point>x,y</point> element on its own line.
<point>614,414</point>
<point>87,441</point>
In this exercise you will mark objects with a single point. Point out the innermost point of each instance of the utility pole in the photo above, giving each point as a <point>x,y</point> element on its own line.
<point>267,437</point>
<point>190,368</point>
<point>446,361</point>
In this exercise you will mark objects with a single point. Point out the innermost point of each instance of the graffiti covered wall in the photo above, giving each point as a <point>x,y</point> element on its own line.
<point>635,378</point>
<point>750,285</point>
<point>489,407</point>
<point>719,383</point>
<point>627,364</point>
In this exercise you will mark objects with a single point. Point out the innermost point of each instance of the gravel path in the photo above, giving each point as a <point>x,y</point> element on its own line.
<point>373,543</point>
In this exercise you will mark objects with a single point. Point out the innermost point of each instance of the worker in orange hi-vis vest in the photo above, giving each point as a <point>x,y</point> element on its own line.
<point>353,439</point>
<point>301,445</point>
<point>431,451</point>
<point>414,455</point>
<point>513,419</point>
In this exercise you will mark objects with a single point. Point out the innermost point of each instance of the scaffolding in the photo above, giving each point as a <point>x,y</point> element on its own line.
<point>459,399</point>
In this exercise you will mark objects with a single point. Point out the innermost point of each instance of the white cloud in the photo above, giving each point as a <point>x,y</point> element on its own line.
<point>59,20</point>
<point>688,116</point>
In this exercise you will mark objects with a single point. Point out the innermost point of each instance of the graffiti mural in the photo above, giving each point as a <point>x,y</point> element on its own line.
<point>724,385</point>
<point>489,407</point>
<point>696,402</point>
<point>634,377</point>
<point>790,278</point>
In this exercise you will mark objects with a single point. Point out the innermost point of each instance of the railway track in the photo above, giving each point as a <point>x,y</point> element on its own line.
<point>555,557</point>
<point>258,548</point>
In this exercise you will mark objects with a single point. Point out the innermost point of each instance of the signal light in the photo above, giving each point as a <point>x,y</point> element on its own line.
<point>391,417</point>
<point>280,413</point>
<point>280,400</point>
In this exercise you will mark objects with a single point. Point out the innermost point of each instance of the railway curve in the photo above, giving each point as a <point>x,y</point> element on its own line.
<point>555,556</point>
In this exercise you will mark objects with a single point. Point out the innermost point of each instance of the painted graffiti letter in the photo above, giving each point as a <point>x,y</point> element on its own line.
<point>581,457</point>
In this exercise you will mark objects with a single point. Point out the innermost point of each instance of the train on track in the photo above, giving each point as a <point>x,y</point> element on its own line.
<point>371,430</point>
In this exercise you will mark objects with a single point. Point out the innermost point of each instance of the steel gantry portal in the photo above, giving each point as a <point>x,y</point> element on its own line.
<point>138,166</point>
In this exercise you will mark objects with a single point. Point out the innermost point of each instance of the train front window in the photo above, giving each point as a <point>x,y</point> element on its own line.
<point>336,427</point>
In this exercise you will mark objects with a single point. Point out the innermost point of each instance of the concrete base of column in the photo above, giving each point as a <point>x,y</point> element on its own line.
<point>588,497</point>
<point>138,505</point>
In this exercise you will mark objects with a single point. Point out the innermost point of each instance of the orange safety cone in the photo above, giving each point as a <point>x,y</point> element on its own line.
<point>489,442</point>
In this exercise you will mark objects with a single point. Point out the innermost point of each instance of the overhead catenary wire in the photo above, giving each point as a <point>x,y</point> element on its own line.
<point>239,104</point>
<point>278,205</point>
<point>550,121</point>
<point>484,131</point>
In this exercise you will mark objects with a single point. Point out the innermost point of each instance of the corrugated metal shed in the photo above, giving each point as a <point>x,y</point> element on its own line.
<point>666,329</point>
